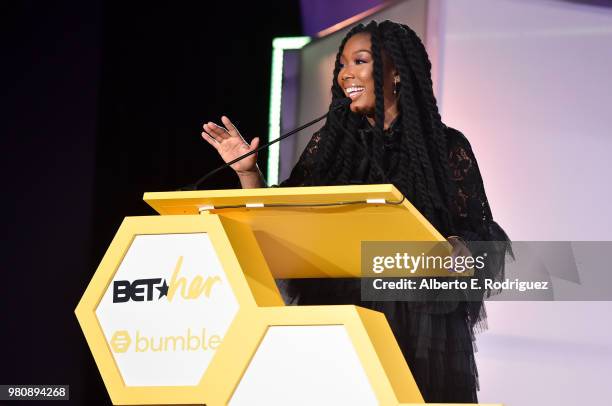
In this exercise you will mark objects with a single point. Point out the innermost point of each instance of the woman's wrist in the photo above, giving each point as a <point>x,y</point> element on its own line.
<point>251,179</point>
<point>247,174</point>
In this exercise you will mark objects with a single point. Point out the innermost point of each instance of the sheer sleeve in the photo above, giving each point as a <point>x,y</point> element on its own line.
<point>471,212</point>
<point>301,174</point>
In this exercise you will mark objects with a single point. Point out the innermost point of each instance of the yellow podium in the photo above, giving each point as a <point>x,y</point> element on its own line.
<point>184,308</point>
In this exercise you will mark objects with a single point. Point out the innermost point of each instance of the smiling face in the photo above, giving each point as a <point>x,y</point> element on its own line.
<point>356,77</point>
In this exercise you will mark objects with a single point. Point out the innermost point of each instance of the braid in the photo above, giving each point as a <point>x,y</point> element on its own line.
<point>418,58</point>
<point>426,88</point>
<point>347,164</point>
<point>420,114</point>
<point>413,147</point>
<point>379,114</point>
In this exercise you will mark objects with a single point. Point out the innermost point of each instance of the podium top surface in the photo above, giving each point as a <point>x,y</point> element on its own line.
<point>309,231</point>
<point>191,202</point>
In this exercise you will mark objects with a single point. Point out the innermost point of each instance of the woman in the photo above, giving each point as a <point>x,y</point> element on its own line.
<point>393,133</point>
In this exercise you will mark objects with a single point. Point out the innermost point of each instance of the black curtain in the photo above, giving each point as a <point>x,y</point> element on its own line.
<point>166,70</point>
<point>101,102</point>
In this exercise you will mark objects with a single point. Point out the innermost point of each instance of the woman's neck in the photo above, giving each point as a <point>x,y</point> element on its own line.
<point>391,113</point>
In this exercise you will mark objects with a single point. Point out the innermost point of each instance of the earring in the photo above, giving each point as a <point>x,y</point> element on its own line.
<point>395,82</point>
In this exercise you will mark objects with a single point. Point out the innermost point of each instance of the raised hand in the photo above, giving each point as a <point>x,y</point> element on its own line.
<point>230,145</point>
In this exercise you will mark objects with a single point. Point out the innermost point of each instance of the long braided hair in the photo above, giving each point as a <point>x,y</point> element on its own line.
<point>424,176</point>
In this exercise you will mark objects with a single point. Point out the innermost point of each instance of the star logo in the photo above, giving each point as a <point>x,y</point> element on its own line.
<point>163,290</point>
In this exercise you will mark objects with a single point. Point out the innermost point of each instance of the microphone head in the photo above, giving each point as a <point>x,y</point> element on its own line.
<point>341,103</point>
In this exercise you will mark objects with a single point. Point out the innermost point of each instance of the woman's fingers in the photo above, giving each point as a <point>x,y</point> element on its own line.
<point>231,128</point>
<point>208,138</point>
<point>209,132</point>
<point>221,133</point>
<point>254,144</point>
<point>218,132</point>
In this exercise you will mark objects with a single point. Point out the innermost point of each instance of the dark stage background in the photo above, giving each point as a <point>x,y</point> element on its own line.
<point>102,101</point>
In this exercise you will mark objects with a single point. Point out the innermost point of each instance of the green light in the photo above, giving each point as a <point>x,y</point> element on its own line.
<point>279,45</point>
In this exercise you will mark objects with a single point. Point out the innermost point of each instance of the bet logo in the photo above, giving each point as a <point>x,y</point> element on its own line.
<point>139,291</point>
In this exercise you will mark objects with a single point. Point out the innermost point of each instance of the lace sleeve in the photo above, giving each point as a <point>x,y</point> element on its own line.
<point>301,174</point>
<point>471,212</point>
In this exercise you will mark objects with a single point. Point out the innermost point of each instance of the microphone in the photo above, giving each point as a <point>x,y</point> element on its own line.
<point>337,104</point>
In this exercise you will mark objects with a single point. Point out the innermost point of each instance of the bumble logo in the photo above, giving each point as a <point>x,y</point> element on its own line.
<point>142,290</point>
<point>121,341</point>
<point>190,341</point>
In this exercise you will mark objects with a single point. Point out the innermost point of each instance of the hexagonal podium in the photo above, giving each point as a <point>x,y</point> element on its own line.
<point>184,308</point>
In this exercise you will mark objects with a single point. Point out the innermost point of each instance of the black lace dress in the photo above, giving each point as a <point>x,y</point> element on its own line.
<point>437,339</point>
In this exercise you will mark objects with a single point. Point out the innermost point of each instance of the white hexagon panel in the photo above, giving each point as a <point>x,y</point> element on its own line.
<point>292,358</point>
<point>167,309</point>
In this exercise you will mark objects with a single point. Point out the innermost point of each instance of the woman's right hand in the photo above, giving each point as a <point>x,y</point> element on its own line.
<point>230,145</point>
